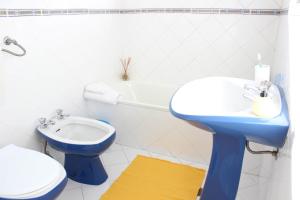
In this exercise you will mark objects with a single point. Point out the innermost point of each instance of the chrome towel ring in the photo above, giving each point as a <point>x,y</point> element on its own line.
<point>7,41</point>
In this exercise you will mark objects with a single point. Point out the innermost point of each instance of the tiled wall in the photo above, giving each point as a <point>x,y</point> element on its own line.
<point>276,174</point>
<point>179,48</point>
<point>60,60</point>
<point>257,4</point>
<point>280,175</point>
<point>294,20</point>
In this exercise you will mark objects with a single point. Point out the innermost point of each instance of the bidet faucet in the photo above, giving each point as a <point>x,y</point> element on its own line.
<point>44,123</point>
<point>60,114</point>
<point>262,89</point>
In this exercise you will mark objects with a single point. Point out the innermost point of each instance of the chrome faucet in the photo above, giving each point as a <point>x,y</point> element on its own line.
<point>44,123</point>
<point>60,114</point>
<point>262,89</point>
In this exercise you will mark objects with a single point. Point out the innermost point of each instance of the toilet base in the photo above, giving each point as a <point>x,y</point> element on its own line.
<point>85,169</point>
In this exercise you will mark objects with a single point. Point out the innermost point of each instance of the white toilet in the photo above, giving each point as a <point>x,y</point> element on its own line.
<point>28,174</point>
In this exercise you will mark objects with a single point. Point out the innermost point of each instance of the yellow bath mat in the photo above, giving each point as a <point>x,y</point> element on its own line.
<point>154,179</point>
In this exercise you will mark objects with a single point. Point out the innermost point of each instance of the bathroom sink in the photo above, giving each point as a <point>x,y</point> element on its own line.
<point>218,96</point>
<point>222,106</point>
<point>219,104</point>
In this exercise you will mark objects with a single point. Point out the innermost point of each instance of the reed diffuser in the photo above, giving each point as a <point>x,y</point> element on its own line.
<point>125,64</point>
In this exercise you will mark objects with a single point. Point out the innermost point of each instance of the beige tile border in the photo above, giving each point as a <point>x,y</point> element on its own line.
<point>50,12</point>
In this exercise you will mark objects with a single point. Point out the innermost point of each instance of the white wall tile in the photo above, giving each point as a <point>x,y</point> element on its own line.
<point>47,78</point>
<point>265,4</point>
<point>284,3</point>
<point>279,171</point>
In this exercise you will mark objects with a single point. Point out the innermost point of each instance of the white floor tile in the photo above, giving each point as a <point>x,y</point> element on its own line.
<point>114,171</point>
<point>131,153</point>
<point>114,147</point>
<point>91,192</point>
<point>194,164</point>
<point>114,157</point>
<point>74,194</point>
<point>72,185</point>
<point>163,157</point>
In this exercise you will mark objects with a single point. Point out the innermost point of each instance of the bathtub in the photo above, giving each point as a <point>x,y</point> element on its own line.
<point>148,95</point>
<point>142,120</point>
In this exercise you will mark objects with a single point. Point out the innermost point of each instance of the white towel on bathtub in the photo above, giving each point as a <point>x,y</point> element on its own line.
<point>101,92</point>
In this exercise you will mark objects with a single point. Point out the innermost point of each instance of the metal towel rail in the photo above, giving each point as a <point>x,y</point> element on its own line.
<point>8,41</point>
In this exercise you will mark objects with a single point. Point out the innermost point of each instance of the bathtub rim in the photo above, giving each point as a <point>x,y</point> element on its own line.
<point>144,105</point>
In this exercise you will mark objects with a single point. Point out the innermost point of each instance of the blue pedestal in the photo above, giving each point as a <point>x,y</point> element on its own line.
<point>85,169</point>
<point>225,168</point>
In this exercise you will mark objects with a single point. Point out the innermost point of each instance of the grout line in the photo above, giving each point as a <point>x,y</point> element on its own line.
<point>82,194</point>
<point>124,152</point>
<point>84,11</point>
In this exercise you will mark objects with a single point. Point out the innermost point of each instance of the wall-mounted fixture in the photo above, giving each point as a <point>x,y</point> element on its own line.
<point>7,41</point>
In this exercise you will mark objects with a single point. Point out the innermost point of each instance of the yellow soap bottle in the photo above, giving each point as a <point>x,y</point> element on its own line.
<point>263,107</point>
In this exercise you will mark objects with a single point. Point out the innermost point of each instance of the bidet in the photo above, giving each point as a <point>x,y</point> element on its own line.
<point>82,140</point>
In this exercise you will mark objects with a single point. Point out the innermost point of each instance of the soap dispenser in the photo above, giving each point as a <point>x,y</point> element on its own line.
<point>262,71</point>
<point>263,105</point>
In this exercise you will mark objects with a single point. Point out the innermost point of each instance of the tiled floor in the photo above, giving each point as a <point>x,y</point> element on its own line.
<point>115,160</point>
<point>118,157</point>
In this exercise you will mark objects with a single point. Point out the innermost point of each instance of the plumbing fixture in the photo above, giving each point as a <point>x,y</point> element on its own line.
<point>45,149</point>
<point>8,41</point>
<point>60,114</point>
<point>81,149</point>
<point>274,153</point>
<point>262,89</point>
<point>231,123</point>
<point>44,123</point>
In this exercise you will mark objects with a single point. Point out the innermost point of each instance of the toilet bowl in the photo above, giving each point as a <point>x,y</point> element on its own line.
<point>28,174</point>
<point>82,140</point>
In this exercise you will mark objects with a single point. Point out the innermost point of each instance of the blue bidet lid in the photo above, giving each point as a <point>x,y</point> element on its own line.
<point>24,171</point>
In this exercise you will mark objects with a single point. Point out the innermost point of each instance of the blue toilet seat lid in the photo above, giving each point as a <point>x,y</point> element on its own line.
<point>24,171</point>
